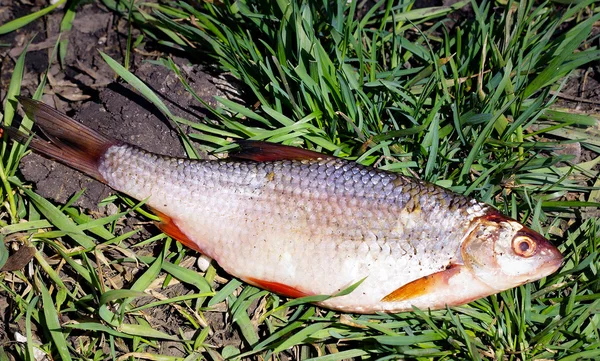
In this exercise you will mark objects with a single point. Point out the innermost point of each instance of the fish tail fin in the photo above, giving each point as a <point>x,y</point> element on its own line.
<point>69,141</point>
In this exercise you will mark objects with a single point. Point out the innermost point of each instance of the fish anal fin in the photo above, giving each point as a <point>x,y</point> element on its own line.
<point>168,226</point>
<point>276,287</point>
<point>265,152</point>
<point>423,285</point>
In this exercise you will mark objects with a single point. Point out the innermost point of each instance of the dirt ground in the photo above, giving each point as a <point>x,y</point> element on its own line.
<point>86,88</point>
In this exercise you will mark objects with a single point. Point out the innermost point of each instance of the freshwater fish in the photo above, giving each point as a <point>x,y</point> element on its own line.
<point>301,223</point>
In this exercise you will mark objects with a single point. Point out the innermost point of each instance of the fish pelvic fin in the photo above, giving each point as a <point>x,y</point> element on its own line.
<point>259,151</point>
<point>69,141</point>
<point>423,285</point>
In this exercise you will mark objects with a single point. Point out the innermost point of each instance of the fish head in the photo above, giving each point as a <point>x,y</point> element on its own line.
<point>503,253</point>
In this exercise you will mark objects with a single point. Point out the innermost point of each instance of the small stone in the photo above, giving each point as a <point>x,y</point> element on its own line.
<point>203,263</point>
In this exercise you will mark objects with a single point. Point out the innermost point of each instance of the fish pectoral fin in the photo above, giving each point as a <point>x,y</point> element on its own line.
<point>423,285</point>
<point>265,152</point>
<point>168,226</point>
<point>276,287</point>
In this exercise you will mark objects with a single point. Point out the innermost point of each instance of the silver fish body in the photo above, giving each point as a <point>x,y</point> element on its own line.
<point>300,223</point>
<point>317,226</point>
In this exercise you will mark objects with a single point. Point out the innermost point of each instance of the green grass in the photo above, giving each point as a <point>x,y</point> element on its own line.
<point>469,109</point>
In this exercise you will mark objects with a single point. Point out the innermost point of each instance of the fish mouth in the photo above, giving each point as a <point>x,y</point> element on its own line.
<point>553,259</point>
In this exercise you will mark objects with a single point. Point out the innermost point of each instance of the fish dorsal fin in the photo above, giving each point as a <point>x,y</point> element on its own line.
<point>265,152</point>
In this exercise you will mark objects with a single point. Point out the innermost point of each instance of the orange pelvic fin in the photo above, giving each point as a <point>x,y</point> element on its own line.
<point>265,152</point>
<point>423,285</point>
<point>168,226</point>
<point>277,287</point>
<point>69,141</point>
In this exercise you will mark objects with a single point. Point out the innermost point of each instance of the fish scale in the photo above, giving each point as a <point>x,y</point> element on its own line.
<point>349,220</point>
<point>301,223</point>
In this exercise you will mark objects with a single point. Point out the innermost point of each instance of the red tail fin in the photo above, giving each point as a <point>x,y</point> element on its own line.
<point>69,142</point>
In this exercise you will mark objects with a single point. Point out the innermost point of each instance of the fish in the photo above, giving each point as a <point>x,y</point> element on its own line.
<point>300,223</point>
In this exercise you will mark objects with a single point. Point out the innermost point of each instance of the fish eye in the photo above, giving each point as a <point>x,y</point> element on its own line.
<point>523,246</point>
